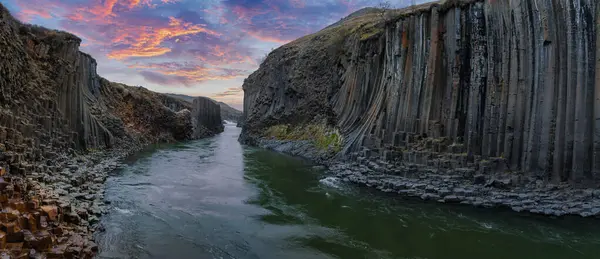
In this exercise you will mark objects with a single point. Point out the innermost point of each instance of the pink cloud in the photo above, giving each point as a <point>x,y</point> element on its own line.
<point>266,38</point>
<point>27,15</point>
<point>146,41</point>
<point>188,73</point>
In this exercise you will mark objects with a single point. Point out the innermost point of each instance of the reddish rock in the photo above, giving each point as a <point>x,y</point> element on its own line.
<point>18,205</point>
<point>36,216</point>
<point>10,227</point>
<point>8,216</point>
<point>33,204</point>
<point>23,222</point>
<point>48,202</point>
<point>32,223</point>
<point>2,240</point>
<point>3,198</point>
<point>51,211</point>
<point>15,246</point>
<point>20,255</point>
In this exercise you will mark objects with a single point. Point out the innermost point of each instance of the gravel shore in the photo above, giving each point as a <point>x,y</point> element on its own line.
<point>515,191</point>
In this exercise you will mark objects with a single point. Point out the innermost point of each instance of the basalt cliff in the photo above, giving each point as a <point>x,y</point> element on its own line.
<point>227,112</point>
<point>62,129</point>
<point>483,102</point>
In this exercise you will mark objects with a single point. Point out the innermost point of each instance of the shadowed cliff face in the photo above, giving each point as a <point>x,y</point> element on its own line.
<point>53,100</point>
<point>207,114</point>
<point>229,113</point>
<point>503,80</point>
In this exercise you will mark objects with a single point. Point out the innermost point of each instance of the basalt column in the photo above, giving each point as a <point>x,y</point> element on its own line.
<point>503,80</point>
<point>207,116</point>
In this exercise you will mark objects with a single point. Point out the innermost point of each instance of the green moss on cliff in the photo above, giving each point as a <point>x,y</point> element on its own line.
<point>322,136</point>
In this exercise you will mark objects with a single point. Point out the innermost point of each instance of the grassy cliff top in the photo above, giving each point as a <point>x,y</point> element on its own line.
<point>369,21</point>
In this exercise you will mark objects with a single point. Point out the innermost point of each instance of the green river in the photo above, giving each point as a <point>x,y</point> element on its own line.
<point>215,198</point>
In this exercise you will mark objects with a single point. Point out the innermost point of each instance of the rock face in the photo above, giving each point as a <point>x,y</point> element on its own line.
<point>54,108</point>
<point>229,113</point>
<point>40,227</point>
<point>53,100</point>
<point>459,83</point>
<point>207,115</point>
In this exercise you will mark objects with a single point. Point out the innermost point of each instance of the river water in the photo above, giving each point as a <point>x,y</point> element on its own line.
<point>215,198</point>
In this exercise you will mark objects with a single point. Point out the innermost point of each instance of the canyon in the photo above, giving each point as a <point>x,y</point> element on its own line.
<point>489,103</point>
<point>227,112</point>
<point>486,103</point>
<point>63,128</point>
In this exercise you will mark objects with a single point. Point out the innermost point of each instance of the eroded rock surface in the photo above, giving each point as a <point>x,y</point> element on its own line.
<point>230,114</point>
<point>496,89</point>
<point>54,108</point>
<point>227,112</point>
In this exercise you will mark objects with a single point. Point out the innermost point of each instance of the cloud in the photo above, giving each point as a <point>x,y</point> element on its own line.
<point>233,96</point>
<point>297,3</point>
<point>222,53</point>
<point>186,73</point>
<point>281,21</point>
<point>232,91</point>
<point>188,44</point>
<point>27,15</point>
<point>133,3</point>
<point>266,38</point>
<point>146,42</point>
<point>31,9</point>
<point>161,79</point>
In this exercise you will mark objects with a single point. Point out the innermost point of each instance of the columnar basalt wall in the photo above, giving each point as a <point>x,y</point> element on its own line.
<point>206,115</point>
<point>52,101</point>
<point>54,108</point>
<point>505,79</point>
<point>229,113</point>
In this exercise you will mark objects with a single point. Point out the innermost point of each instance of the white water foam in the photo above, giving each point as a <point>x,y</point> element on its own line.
<point>331,181</point>
<point>124,211</point>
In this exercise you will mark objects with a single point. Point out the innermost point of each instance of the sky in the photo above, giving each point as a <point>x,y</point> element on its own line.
<point>192,47</point>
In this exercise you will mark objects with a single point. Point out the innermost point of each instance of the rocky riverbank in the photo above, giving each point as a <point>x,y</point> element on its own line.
<point>536,196</point>
<point>55,214</point>
<point>515,191</point>
<point>63,128</point>
<point>487,103</point>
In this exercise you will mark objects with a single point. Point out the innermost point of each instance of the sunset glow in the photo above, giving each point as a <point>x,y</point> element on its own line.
<point>193,47</point>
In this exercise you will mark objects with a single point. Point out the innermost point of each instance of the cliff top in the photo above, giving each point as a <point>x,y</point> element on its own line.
<point>38,32</point>
<point>190,99</point>
<point>373,16</point>
<point>366,23</point>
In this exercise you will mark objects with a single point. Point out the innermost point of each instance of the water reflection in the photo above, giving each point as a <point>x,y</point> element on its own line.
<point>214,198</point>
